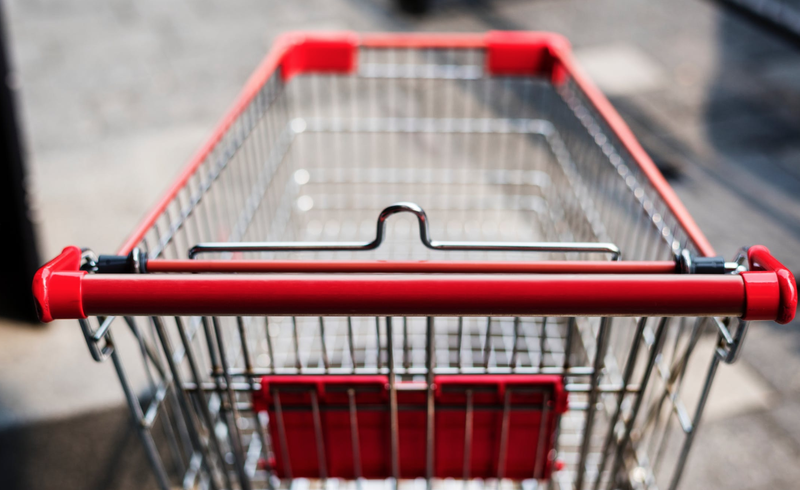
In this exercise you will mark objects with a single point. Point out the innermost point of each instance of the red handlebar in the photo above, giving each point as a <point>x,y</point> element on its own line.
<point>767,292</point>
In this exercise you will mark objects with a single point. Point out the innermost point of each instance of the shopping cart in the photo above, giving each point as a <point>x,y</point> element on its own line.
<point>557,320</point>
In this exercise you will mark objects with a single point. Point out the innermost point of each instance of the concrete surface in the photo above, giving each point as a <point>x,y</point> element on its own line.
<point>116,95</point>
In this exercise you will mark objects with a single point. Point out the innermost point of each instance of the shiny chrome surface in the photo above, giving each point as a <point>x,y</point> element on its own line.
<point>424,235</point>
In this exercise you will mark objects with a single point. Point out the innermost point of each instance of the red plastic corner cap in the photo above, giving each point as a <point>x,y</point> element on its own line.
<point>57,287</point>
<point>523,53</point>
<point>761,259</point>
<point>334,52</point>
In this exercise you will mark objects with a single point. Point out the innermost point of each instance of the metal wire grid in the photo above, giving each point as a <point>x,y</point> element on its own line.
<point>484,156</point>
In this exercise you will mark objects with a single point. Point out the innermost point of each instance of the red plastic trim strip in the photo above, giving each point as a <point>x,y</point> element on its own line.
<point>366,266</point>
<point>761,259</point>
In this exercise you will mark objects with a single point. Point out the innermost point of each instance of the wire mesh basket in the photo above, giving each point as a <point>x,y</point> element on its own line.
<point>534,308</point>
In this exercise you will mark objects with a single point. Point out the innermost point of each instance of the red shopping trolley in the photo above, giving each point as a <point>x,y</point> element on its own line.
<point>525,312</point>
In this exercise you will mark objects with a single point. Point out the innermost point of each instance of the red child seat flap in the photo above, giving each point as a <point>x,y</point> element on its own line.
<point>512,422</point>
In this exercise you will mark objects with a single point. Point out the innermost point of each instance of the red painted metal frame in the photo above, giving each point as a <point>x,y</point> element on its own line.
<point>409,267</point>
<point>371,398</point>
<point>508,53</point>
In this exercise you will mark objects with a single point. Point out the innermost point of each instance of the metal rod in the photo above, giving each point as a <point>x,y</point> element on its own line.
<point>185,406</point>
<point>411,266</point>
<point>351,401</point>
<point>162,480</point>
<point>537,465</point>
<point>233,427</point>
<point>629,367</point>
<point>429,363</point>
<point>203,402</point>
<point>515,348</point>
<point>687,443</point>
<point>319,439</point>
<point>351,343</point>
<point>599,359</point>
<point>468,437</point>
<point>503,446</point>
<point>393,423</point>
<point>287,465</point>
<point>424,233</point>
<point>322,344</point>
<point>297,363</point>
<point>626,437</point>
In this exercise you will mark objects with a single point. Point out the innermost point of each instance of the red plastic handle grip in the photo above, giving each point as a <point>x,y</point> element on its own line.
<point>57,287</point>
<point>761,259</point>
<point>766,293</point>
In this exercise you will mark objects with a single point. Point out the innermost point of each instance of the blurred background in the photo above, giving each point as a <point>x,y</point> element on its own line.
<point>112,98</point>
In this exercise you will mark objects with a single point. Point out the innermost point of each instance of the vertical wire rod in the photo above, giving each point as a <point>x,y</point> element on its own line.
<point>430,361</point>
<point>393,423</point>
<point>468,437</point>
<point>319,438</point>
<point>351,401</point>
<point>626,437</point>
<point>626,376</point>
<point>600,352</point>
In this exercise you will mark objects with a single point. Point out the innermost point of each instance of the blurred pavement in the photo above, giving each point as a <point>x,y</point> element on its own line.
<point>116,95</point>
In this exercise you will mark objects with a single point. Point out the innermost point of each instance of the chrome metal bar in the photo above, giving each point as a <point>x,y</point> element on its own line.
<point>319,438</point>
<point>350,343</point>
<point>459,347</point>
<point>575,371</point>
<point>284,442</point>
<point>203,403</point>
<point>424,233</point>
<point>503,444</point>
<point>234,433</point>
<point>406,353</point>
<point>537,465</point>
<point>542,343</point>
<point>626,376</point>
<point>599,359</point>
<point>701,403</point>
<point>323,347</point>
<point>297,363</point>
<point>393,423</point>
<point>430,411</point>
<point>185,406</point>
<point>515,347</point>
<point>162,480</point>
<point>270,350</point>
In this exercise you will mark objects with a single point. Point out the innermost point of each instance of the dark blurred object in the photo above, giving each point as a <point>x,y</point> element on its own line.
<point>417,7</point>
<point>783,15</point>
<point>18,242</point>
